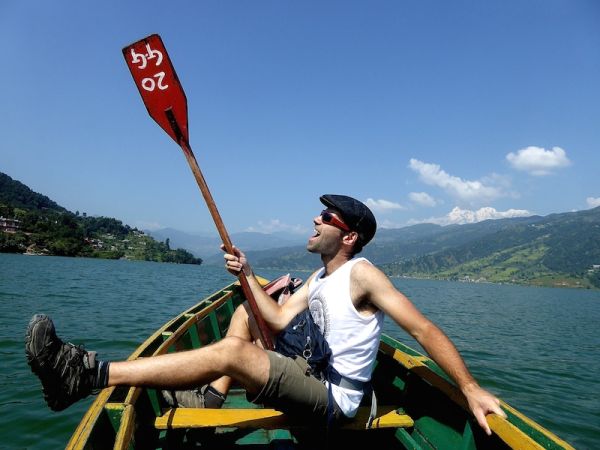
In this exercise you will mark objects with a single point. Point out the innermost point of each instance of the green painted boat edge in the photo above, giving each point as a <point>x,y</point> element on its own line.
<point>437,377</point>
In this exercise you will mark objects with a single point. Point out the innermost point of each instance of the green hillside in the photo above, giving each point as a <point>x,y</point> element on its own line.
<point>32,223</point>
<point>556,250</point>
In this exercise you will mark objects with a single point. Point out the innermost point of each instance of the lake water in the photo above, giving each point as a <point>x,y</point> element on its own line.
<point>536,348</point>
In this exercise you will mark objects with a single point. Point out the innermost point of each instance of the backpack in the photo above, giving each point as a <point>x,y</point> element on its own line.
<point>302,336</point>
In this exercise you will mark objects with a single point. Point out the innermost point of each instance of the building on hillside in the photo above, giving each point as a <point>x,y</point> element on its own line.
<point>9,225</point>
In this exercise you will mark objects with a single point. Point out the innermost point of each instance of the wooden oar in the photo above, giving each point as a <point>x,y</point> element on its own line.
<point>165,100</point>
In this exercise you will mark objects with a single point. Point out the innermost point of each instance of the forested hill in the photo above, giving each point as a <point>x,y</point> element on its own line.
<point>32,223</point>
<point>555,250</point>
<point>15,194</point>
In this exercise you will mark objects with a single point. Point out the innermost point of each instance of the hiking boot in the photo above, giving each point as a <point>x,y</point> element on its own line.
<point>66,371</point>
<point>204,397</point>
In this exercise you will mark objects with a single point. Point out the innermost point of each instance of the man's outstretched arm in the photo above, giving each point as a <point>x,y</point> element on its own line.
<point>374,285</point>
<point>444,353</point>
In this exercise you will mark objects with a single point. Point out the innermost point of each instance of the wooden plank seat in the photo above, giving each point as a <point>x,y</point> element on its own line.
<point>268,418</point>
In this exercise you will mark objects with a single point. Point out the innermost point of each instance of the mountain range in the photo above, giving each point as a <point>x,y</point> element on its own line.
<point>555,250</point>
<point>206,245</point>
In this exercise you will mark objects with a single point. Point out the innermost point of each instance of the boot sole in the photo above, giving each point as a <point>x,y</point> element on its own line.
<point>35,320</point>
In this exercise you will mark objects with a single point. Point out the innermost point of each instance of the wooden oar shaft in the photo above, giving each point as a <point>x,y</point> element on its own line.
<point>265,335</point>
<point>165,100</point>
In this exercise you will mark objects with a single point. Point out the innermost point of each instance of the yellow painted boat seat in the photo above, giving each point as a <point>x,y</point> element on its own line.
<point>268,418</point>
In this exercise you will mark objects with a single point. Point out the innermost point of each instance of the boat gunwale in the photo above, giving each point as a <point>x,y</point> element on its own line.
<point>504,428</point>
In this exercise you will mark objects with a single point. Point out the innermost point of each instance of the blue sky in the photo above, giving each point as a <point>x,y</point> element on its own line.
<point>428,111</point>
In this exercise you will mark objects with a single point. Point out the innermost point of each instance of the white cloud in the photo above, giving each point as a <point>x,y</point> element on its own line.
<point>538,161</point>
<point>593,202</point>
<point>464,190</point>
<point>275,225</point>
<point>460,216</point>
<point>422,198</point>
<point>382,206</point>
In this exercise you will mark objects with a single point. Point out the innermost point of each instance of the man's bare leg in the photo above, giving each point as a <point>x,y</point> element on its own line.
<point>69,373</point>
<point>244,326</point>
<point>232,356</point>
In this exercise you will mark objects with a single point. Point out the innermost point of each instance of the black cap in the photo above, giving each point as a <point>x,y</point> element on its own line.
<point>355,214</point>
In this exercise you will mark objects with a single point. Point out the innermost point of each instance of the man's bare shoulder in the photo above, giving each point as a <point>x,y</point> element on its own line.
<point>366,279</point>
<point>365,271</point>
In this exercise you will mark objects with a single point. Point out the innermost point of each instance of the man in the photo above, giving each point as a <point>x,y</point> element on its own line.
<point>348,298</point>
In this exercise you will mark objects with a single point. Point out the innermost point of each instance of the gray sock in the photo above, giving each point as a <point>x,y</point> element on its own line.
<point>101,379</point>
<point>213,398</point>
<point>204,397</point>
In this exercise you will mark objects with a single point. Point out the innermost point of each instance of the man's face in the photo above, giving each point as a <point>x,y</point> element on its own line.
<point>327,238</point>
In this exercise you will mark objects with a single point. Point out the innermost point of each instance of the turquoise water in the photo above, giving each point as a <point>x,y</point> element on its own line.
<point>537,348</point>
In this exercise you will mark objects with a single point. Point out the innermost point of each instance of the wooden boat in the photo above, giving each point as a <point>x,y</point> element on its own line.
<point>419,407</point>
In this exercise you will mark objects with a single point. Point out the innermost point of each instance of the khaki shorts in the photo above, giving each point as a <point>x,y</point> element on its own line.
<point>291,390</point>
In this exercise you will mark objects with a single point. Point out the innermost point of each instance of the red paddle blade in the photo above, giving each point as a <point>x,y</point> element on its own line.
<point>159,86</point>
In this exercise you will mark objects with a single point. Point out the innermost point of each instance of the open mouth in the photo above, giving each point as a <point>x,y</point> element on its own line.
<point>315,235</point>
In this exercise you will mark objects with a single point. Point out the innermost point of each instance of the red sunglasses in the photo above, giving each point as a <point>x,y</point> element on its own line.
<point>330,219</point>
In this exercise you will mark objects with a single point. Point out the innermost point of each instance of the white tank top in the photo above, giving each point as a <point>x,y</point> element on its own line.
<point>352,337</point>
